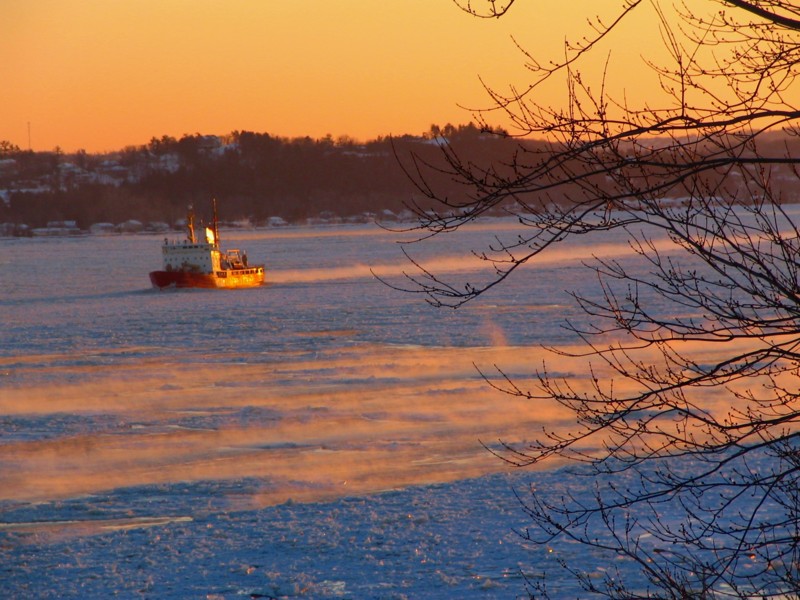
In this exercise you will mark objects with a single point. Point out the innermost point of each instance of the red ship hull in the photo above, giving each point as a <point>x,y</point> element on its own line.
<point>230,279</point>
<point>197,263</point>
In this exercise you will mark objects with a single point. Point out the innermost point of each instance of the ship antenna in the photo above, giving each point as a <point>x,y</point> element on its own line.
<point>216,225</point>
<point>190,224</point>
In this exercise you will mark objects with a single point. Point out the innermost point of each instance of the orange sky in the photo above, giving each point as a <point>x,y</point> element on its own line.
<point>103,74</point>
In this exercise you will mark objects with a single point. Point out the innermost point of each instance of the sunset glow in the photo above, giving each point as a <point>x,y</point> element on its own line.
<point>99,75</point>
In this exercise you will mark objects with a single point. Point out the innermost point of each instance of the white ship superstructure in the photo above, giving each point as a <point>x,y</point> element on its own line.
<point>191,263</point>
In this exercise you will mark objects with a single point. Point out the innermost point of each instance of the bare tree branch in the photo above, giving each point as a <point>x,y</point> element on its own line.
<point>706,305</point>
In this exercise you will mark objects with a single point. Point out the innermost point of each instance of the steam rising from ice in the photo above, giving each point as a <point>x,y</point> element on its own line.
<point>443,265</point>
<point>356,420</point>
<point>311,421</point>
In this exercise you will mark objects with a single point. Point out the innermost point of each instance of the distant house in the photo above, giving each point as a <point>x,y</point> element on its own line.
<point>102,228</point>
<point>113,172</point>
<point>8,167</point>
<point>169,163</point>
<point>157,227</point>
<point>276,222</point>
<point>209,144</point>
<point>130,226</point>
<point>57,228</point>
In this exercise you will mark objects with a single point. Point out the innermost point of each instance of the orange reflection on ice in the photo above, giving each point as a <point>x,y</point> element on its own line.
<point>357,420</point>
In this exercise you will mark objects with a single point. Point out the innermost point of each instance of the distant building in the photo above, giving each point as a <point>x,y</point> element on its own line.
<point>102,228</point>
<point>276,222</point>
<point>57,228</point>
<point>8,167</point>
<point>131,226</point>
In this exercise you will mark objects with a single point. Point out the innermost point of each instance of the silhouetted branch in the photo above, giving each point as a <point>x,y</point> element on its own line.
<point>705,307</point>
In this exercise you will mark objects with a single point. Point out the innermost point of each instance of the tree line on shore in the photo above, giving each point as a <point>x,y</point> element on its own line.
<point>257,176</point>
<point>254,176</point>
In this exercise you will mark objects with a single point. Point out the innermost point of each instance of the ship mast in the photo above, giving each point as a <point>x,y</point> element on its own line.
<point>190,224</point>
<point>215,225</point>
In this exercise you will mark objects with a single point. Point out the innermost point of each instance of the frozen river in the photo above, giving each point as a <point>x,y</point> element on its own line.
<point>318,437</point>
<point>324,382</point>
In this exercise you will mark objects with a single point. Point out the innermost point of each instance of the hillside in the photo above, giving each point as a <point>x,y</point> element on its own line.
<point>261,179</point>
<point>255,177</point>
